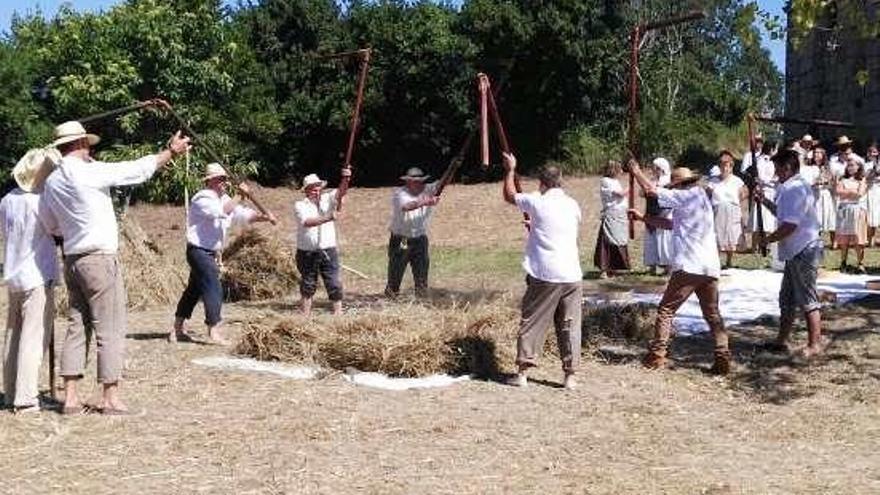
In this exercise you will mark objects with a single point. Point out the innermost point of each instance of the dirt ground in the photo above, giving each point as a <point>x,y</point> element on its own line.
<point>778,425</point>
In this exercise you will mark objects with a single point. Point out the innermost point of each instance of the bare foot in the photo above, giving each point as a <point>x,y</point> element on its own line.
<point>217,338</point>
<point>816,349</point>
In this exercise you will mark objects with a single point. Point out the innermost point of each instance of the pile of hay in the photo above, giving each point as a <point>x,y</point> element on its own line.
<point>632,322</point>
<point>151,277</point>
<point>258,266</point>
<point>407,341</point>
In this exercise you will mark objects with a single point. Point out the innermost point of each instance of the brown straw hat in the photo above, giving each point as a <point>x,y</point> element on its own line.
<point>682,176</point>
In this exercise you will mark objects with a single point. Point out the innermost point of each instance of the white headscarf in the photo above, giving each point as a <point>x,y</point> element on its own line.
<point>665,170</point>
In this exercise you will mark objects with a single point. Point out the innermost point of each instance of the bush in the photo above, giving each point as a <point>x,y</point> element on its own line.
<point>581,152</point>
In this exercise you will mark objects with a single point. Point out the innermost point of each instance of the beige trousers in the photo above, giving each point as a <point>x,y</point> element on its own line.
<point>545,303</point>
<point>30,321</point>
<point>97,305</point>
<point>680,287</point>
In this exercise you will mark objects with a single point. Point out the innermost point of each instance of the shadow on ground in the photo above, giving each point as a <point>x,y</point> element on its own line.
<point>850,366</point>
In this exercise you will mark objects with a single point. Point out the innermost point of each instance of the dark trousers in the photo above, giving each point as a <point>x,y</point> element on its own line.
<point>204,284</point>
<point>403,251</point>
<point>324,262</point>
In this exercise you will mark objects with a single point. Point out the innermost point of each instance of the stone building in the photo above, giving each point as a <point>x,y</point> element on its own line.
<point>834,75</point>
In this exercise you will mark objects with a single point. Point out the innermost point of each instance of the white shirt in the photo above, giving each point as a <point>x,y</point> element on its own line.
<point>726,190</point>
<point>694,245</point>
<point>207,224</point>
<point>765,165</point>
<point>77,198</point>
<point>319,237</point>
<point>412,223</point>
<point>610,191</point>
<point>809,173</point>
<point>552,248</point>
<point>795,204</point>
<point>29,259</point>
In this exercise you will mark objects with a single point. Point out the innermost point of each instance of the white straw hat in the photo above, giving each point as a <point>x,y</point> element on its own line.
<point>843,141</point>
<point>415,173</point>
<point>214,170</point>
<point>311,180</point>
<point>71,131</point>
<point>32,169</point>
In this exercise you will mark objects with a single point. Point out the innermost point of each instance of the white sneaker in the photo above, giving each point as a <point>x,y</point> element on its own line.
<point>518,380</point>
<point>570,383</point>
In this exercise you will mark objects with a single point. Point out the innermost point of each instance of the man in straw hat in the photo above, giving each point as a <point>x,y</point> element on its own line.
<point>801,248</point>
<point>211,213</point>
<point>411,207</point>
<point>695,264</point>
<point>316,252</point>
<point>837,162</point>
<point>553,267</point>
<point>30,269</point>
<point>77,200</point>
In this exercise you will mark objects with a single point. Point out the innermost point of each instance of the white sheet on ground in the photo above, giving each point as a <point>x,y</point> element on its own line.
<point>248,364</point>
<point>298,372</point>
<point>746,295</point>
<point>379,380</point>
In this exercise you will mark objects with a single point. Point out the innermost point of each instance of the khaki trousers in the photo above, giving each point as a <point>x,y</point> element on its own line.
<point>97,305</point>
<point>545,303</point>
<point>30,321</point>
<point>681,285</point>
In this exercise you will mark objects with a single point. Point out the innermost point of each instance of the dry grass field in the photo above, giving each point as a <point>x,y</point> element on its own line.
<point>778,425</point>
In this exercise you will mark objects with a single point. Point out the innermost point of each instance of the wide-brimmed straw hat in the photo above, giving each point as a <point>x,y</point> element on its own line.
<point>71,131</point>
<point>32,169</point>
<point>311,180</point>
<point>414,173</point>
<point>843,141</point>
<point>808,138</point>
<point>682,176</point>
<point>214,170</point>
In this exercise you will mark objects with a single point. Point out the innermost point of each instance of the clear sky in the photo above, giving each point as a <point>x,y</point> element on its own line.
<point>7,7</point>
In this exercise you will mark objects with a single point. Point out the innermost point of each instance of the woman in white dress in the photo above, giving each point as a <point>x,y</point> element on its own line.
<point>657,243</point>
<point>852,217</point>
<point>872,176</point>
<point>728,193</point>
<point>824,191</point>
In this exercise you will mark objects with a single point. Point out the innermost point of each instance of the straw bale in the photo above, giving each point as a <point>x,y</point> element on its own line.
<point>151,277</point>
<point>258,266</point>
<point>406,341</point>
<point>633,322</point>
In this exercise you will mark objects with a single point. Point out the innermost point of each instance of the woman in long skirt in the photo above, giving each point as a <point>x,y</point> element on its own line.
<point>728,194</point>
<point>611,246</point>
<point>852,217</point>
<point>872,177</point>
<point>824,191</point>
<point>657,243</point>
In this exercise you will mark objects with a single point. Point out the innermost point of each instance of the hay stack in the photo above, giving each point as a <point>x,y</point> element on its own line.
<point>258,266</point>
<point>633,322</point>
<point>151,277</point>
<point>403,341</point>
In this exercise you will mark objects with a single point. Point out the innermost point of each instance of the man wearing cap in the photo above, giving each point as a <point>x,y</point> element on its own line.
<point>211,213</point>
<point>411,207</point>
<point>316,252</point>
<point>553,267</point>
<point>837,162</point>
<point>801,248</point>
<point>30,269</point>
<point>78,205</point>
<point>696,266</point>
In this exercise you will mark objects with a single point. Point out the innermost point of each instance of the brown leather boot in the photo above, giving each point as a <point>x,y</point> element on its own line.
<point>721,366</point>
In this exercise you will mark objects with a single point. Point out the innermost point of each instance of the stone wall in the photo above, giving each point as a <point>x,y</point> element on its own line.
<point>821,83</point>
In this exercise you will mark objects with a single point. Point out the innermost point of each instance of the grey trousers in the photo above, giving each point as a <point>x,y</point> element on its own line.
<point>545,303</point>
<point>30,321</point>
<point>97,304</point>
<point>403,251</point>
